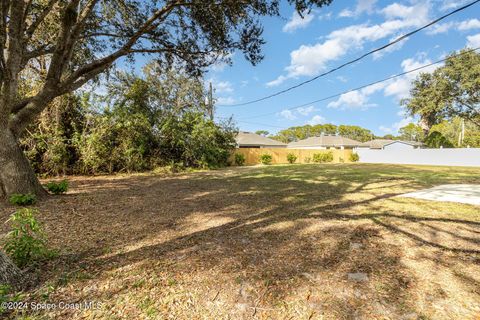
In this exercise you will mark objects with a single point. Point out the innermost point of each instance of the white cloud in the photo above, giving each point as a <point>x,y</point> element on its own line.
<point>473,41</point>
<point>317,119</point>
<point>346,13</point>
<point>292,114</point>
<point>223,87</point>
<point>400,87</point>
<point>396,10</point>
<point>392,48</point>
<point>365,6</point>
<point>352,99</point>
<point>306,111</point>
<point>297,22</point>
<point>310,60</point>
<point>460,26</point>
<point>469,24</point>
<point>326,16</point>
<point>358,99</point>
<point>225,100</point>
<point>223,91</point>
<point>287,114</point>
<point>361,7</point>
<point>450,4</point>
<point>393,129</point>
<point>441,28</point>
<point>277,81</point>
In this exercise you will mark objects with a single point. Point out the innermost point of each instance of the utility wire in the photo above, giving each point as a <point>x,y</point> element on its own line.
<point>366,85</point>
<point>357,59</point>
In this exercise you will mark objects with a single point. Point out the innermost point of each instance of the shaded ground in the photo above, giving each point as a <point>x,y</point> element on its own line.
<point>263,242</point>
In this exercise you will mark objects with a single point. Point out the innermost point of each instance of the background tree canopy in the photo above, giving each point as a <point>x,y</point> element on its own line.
<point>140,123</point>
<point>452,90</point>
<point>303,132</point>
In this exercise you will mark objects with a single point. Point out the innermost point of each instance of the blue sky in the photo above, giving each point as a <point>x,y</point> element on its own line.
<point>298,49</point>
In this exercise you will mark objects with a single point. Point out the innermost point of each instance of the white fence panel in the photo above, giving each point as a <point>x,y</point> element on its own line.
<point>469,157</point>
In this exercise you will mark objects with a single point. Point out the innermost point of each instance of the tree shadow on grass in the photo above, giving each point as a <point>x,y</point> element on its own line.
<point>257,235</point>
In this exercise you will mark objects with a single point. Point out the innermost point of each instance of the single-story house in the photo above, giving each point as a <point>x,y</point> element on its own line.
<point>390,144</point>
<point>324,142</point>
<point>252,140</point>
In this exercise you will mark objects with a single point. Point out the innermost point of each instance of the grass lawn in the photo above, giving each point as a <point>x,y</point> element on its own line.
<point>273,242</point>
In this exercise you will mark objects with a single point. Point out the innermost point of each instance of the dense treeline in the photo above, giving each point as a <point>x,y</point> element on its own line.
<point>159,119</point>
<point>448,133</point>
<point>303,132</point>
<point>453,133</point>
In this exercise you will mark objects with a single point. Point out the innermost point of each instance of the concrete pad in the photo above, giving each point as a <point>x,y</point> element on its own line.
<point>463,193</point>
<point>358,276</point>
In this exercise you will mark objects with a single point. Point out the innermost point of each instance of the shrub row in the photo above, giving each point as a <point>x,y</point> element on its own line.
<point>321,157</point>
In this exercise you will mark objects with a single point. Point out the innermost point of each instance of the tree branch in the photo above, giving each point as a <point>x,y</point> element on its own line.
<point>70,28</point>
<point>41,17</point>
<point>14,53</point>
<point>89,70</point>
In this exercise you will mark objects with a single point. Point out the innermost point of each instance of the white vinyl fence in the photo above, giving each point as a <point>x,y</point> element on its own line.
<point>468,157</point>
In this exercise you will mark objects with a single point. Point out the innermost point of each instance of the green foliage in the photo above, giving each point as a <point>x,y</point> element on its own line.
<point>144,123</point>
<point>303,132</point>
<point>291,158</point>
<point>22,199</point>
<point>355,133</point>
<point>26,242</point>
<point>354,157</point>
<point>57,188</point>
<point>472,140</point>
<point>8,295</point>
<point>322,157</point>
<point>450,91</point>
<point>411,132</point>
<point>239,159</point>
<point>4,297</point>
<point>266,159</point>
<point>436,140</point>
<point>262,132</point>
<point>388,137</point>
<point>209,145</point>
<point>307,160</point>
<point>116,142</point>
<point>453,128</point>
<point>49,144</point>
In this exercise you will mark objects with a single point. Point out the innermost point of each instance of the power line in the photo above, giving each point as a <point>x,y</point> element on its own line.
<point>355,60</point>
<point>366,85</point>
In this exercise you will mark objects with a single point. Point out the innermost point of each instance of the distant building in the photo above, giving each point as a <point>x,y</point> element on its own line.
<point>252,140</point>
<point>324,142</point>
<point>390,144</point>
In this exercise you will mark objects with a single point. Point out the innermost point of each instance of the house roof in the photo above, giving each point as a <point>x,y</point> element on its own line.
<point>325,141</point>
<point>252,139</point>
<point>380,143</point>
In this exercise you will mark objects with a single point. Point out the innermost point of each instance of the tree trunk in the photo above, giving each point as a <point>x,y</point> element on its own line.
<point>16,174</point>
<point>10,274</point>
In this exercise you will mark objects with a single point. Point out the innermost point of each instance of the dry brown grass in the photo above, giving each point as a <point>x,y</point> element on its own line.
<point>263,243</point>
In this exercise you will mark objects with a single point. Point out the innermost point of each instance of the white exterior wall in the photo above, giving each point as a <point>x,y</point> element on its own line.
<point>469,157</point>
<point>398,146</point>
